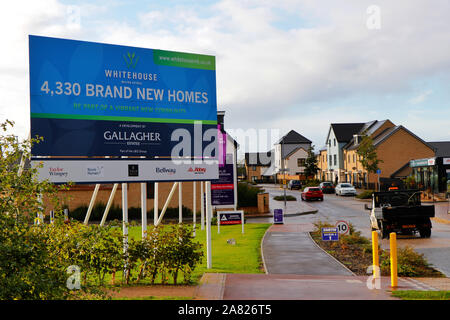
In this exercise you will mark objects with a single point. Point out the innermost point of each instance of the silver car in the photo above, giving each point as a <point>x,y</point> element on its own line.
<point>345,189</point>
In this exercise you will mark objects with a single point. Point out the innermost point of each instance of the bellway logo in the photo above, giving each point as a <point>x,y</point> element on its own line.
<point>166,170</point>
<point>131,60</point>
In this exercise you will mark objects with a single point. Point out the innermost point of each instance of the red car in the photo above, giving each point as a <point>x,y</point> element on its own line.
<point>310,193</point>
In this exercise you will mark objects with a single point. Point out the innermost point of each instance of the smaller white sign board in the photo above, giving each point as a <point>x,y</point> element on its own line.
<point>61,171</point>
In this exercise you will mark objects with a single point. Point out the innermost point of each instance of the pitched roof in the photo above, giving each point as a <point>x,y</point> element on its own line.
<point>344,131</point>
<point>442,148</point>
<point>384,135</point>
<point>293,137</point>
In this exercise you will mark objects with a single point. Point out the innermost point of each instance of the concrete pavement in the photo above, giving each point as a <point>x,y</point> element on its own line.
<point>298,269</point>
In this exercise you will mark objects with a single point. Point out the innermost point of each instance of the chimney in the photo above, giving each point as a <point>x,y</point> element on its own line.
<point>356,139</point>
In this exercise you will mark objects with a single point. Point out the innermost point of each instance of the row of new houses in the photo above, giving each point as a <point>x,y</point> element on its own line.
<point>402,154</point>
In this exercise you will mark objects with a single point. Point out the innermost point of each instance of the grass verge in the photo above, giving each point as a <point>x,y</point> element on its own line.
<point>421,295</point>
<point>355,252</point>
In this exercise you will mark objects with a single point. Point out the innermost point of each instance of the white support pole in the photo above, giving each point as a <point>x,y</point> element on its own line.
<point>125,223</point>
<point>91,204</point>
<point>202,206</point>
<point>163,211</point>
<point>108,205</point>
<point>194,204</point>
<point>144,209</point>
<point>235,177</point>
<point>155,204</point>
<point>208,225</point>
<point>180,202</point>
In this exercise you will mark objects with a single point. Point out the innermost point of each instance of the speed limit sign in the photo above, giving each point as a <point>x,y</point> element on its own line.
<point>342,227</point>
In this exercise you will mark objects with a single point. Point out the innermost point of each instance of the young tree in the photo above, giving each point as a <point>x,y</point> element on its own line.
<point>25,267</point>
<point>311,166</point>
<point>368,155</point>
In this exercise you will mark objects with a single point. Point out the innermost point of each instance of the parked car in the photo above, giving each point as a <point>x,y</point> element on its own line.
<point>345,189</point>
<point>294,184</point>
<point>327,187</point>
<point>311,193</point>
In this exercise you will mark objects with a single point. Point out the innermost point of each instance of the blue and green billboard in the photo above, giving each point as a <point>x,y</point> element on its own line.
<point>94,99</point>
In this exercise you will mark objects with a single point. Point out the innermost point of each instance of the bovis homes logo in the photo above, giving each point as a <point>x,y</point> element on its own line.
<point>197,170</point>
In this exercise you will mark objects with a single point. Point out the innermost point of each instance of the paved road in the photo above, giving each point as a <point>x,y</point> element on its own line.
<point>435,249</point>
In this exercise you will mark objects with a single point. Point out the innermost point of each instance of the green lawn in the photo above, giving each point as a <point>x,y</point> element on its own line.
<point>421,295</point>
<point>243,257</point>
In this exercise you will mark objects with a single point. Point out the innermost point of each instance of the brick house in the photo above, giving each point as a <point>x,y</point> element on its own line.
<point>322,164</point>
<point>256,163</point>
<point>395,146</point>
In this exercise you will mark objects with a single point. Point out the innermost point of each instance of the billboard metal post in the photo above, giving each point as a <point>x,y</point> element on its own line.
<point>155,204</point>
<point>180,202</point>
<point>194,204</point>
<point>208,225</point>
<point>125,223</point>
<point>108,205</point>
<point>91,204</point>
<point>163,211</point>
<point>144,209</point>
<point>202,206</point>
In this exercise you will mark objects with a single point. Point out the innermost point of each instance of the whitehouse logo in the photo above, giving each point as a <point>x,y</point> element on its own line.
<point>131,60</point>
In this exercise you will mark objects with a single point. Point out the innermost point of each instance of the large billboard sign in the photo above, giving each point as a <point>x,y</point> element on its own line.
<point>94,99</point>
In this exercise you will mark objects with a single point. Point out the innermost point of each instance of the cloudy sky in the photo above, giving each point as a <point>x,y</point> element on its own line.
<point>280,65</point>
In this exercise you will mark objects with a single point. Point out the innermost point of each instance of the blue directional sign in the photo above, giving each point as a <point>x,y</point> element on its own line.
<point>330,234</point>
<point>278,216</point>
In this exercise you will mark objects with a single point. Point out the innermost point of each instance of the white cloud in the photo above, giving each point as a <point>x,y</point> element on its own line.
<point>265,75</point>
<point>421,97</point>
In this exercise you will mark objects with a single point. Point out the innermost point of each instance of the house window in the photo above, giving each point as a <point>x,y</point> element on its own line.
<point>334,142</point>
<point>300,162</point>
<point>335,159</point>
<point>354,158</point>
<point>331,160</point>
<point>254,168</point>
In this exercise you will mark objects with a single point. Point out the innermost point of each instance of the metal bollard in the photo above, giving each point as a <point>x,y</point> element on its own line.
<point>376,262</point>
<point>393,253</point>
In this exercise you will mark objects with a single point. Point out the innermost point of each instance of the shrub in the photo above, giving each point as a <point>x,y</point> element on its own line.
<point>247,195</point>
<point>288,198</point>
<point>366,194</point>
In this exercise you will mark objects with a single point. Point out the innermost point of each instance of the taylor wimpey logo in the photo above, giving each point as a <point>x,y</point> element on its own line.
<point>57,171</point>
<point>197,170</point>
<point>131,60</point>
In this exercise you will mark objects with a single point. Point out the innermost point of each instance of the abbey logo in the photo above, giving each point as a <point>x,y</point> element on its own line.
<point>131,60</point>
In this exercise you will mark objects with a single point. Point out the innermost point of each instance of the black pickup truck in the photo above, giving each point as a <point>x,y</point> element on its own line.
<point>400,211</point>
